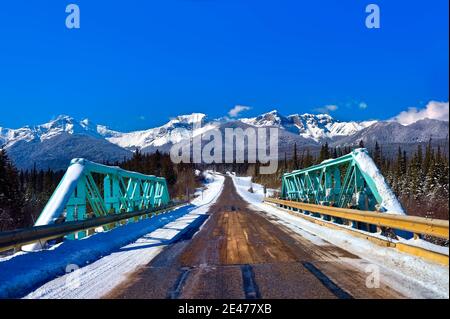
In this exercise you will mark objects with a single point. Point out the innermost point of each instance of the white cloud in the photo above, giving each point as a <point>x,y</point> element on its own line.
<point>235,111</point>
<point>327,108</point>
<point>433,110</point>
<point>142,118</point>
<point>363,105</point>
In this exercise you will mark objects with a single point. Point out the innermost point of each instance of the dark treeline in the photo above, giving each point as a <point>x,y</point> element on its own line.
<point>23,194</point>
<point>11,196</point>
<point>181,178</point>
<point>420,179</point>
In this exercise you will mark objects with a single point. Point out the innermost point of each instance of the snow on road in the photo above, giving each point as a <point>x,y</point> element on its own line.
<point>93,266</point>
<point>410,275</point>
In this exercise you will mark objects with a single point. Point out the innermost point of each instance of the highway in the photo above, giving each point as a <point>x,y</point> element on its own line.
<point>244,253</point>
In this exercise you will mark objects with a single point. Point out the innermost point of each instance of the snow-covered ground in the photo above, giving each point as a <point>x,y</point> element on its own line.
<point>411,276</point>
<point>93,266</point>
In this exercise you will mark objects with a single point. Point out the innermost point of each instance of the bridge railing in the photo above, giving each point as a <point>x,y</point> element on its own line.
<point>417,225</point>
<point>351,180</point>
<point>40,234</point>
<point>90,190</point>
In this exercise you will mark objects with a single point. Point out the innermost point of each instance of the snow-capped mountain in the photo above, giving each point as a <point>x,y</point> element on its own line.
<point>53,144</point>
<point>317,127</point>
<point>391,132</point>
<point>62,124</point>
<point>181,128</point>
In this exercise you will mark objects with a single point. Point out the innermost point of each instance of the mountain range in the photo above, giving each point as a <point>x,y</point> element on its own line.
<point>54,144</point>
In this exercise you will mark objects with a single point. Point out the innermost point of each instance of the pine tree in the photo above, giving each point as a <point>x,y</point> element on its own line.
<point>168,172</point>
<point>11,198</point>
<point>427,162</point>
<point>404,163</point>
<point>377,155</point>
<point>335,153</point>
<point>419,155</point>
<point>285,163</point>
<point>398,163</point>
<point>295,159</point>
<point>308,160</point>
<point>324,152</point>
<point>415,175</point>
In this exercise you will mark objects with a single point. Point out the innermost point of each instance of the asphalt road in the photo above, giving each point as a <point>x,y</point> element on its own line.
<point>241,253</point>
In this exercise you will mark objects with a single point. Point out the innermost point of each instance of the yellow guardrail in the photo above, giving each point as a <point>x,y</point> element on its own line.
<point>17,238</point>
<point>417,225</point>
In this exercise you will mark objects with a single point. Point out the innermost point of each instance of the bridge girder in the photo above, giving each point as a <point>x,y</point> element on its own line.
<point>350,181</point>
<point>89,190</point>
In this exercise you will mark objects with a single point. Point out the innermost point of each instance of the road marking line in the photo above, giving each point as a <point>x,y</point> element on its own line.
<point>327,282</point>
<point>175,292</point>
<point>250,287</point>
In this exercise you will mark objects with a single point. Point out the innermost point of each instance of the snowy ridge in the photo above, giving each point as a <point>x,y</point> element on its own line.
<point>311,126</point>
<point>315,127</point>
<point>53,144</point>
<point>181,128</point>
<point>62,124</point>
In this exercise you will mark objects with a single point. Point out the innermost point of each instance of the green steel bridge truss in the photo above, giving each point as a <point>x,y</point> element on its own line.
<point>351,181</point>
<point>90,190</point>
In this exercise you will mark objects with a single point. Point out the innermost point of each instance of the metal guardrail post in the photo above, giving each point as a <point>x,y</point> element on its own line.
<point>20,237</point>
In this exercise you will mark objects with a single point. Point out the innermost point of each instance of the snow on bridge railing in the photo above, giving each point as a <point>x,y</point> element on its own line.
<point>88,190</point>
<point>16,238</point>
<point>350,181</point>
<point>351,191</point>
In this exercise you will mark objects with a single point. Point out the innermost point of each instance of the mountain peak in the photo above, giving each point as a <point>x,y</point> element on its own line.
<point>61,121</point>
<point>316,127</point>
<point>190,118</point>
<point>272,118</point>
<point>63,117</point>
<point>324,116</point>
<point>85,122</point>
<point>273,113</point>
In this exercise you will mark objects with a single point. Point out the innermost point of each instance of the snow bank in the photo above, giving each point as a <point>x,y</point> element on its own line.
<point>389,201</point>
<point>245,183</point>
<point>104,258</point>
<point>212,189</point>
<point>27,270</point>
<point>97,279</point>
<point>208,176</point>
<point>410,275</point>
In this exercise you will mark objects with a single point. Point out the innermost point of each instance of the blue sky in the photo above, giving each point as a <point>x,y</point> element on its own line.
<point>133,64</point>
